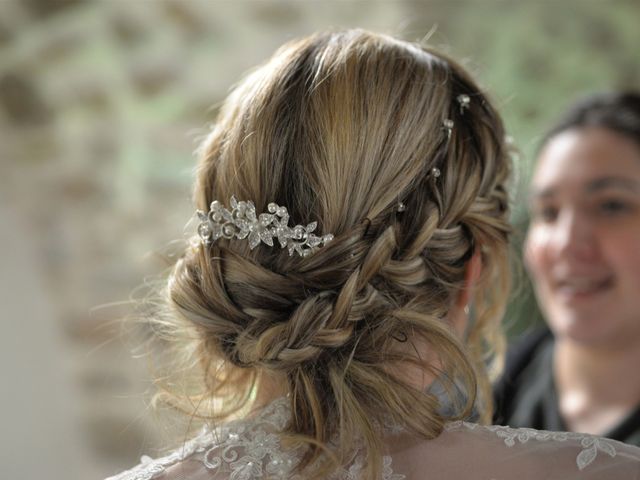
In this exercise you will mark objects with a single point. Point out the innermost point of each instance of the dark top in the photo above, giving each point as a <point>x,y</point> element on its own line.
<point>526,395</point>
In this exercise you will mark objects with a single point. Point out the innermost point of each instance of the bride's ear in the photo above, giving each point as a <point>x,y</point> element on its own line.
<point>471,276</point>
<point>458,316</point>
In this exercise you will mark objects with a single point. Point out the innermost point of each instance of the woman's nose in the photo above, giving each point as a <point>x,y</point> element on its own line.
<point>574,236</point>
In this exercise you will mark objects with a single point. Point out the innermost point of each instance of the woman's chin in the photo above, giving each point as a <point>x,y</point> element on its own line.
<point>587,330</point>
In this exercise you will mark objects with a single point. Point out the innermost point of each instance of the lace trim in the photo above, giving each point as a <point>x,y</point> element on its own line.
<point>590,444</point>
<point>150,468</point>
<point>248,450</point>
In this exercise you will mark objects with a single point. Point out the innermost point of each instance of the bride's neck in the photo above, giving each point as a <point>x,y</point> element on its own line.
<point>268,388</point>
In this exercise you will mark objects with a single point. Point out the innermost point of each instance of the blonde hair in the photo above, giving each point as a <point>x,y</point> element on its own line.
<point>340,128</point>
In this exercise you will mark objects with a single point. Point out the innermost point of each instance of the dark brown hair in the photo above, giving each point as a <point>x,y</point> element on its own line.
<point>615,111</point>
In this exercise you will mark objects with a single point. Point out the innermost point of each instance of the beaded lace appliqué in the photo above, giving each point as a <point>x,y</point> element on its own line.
<point>247,450</point>
<point>590,445</point>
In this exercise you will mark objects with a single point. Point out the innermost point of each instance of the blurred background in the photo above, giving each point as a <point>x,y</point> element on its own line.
<point>101,107</point>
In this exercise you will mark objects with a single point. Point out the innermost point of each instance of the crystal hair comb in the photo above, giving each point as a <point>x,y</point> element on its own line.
<point>242,222</point>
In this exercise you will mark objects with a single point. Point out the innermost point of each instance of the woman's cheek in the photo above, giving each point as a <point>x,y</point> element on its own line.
<point>534,252</point>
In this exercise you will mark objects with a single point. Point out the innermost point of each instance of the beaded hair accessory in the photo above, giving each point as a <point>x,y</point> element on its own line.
<point>242,222</point>
<point>463,100</point>
<point>447,126</point>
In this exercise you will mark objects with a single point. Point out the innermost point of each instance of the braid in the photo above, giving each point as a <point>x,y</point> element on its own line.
<point>339,128</point>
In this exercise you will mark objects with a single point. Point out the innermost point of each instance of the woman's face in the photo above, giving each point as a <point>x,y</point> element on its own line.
<point>583,244</point>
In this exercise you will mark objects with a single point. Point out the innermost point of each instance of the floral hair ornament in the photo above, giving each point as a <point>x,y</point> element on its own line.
<point>242,222</point>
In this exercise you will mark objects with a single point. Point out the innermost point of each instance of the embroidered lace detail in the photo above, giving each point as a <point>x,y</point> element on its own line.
<point>591,445</point>
<point>248,450</point>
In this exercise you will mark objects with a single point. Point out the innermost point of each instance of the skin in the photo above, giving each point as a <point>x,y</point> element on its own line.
<point>458,315</point>
<point>583,253</point>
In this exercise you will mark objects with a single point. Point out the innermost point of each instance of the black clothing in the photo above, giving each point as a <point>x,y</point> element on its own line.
<point>526,396</point>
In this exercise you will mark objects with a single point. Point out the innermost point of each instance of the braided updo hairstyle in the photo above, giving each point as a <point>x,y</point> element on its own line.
<point>340,128</point>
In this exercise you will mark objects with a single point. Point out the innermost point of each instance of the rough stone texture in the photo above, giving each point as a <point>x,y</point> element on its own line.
<point>21,101</point>
<point>100,107</point>
<point>45,8</point>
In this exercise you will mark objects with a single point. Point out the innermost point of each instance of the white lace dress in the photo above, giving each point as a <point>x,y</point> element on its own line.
<point>247,450</point>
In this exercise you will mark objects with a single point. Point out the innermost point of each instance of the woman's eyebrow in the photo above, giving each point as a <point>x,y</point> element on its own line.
<point>541,193</point>
<point>592,186</point>
<point>602,183</point>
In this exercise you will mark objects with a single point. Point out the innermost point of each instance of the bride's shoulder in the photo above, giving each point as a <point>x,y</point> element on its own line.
<point>574,454</point>
<point>188,455</point>
<point>251,449</point>
<point>219,452</point>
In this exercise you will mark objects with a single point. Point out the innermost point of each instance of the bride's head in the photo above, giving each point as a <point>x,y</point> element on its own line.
<point>392,149</point>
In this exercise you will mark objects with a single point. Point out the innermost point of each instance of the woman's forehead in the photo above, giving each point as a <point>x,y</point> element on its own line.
<point>590,159</point>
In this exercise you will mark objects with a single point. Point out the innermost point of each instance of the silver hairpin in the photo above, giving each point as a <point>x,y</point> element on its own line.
<point>464,100</point>
<point>242,222</point>
<point>447,125</point>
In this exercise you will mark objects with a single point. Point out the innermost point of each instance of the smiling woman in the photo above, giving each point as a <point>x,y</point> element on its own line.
<point>583,243</point>
<point>583,254</point>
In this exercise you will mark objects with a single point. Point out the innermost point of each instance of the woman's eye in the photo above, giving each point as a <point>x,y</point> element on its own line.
<point>612,207</point>
<point>545,213</point>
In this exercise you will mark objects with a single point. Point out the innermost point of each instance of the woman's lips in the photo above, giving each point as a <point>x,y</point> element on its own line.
<point>582,288</point>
